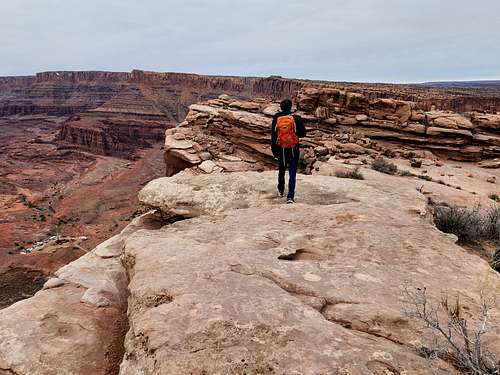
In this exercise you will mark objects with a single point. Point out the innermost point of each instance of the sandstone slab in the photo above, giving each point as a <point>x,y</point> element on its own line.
<point>305,290</point>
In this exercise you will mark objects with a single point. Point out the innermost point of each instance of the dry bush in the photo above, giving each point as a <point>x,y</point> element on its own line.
<point>495,260</point>
<point>354,174</point>
<point>406,173</point>
<point>495,197</point>
<point>469,224</point>
<point>384,166</point>
<point>456,341</point>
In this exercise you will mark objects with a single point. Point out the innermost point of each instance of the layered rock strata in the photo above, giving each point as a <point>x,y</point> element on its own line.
<point>113,113</point>
<point>481,98</point>
<point>233,135</point>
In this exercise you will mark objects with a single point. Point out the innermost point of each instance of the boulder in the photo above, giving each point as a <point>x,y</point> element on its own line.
<point>449,120</point>
<point>352,148</point>
<point>207,166</point>
<point>307,99</point>
<point>191,158</point>
<point>171,142</point>
<point>271,109</point>
<point>356,101</point>
<point>391,108</point>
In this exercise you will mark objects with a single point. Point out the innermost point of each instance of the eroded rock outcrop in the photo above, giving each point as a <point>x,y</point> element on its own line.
<point>446,97</point>
<point>233,135</point>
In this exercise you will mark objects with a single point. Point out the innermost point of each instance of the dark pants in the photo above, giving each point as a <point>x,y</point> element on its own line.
<point>290,159</point>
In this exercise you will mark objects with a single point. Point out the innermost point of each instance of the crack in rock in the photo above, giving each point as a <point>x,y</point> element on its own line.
<point>312,299</point>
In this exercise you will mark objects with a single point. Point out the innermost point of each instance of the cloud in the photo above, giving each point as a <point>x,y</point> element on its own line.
<point>363,40</point>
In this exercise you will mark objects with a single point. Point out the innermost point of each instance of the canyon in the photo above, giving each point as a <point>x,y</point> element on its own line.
<point>76,148</point>
<point>206,270</point>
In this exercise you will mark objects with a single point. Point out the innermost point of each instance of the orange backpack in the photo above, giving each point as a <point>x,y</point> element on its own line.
<point>285,127</point>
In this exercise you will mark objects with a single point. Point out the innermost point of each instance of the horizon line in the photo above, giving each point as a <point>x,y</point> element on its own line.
<point>437,81</point>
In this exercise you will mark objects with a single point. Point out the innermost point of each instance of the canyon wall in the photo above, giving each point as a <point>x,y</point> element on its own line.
<point>276,87</point>
<point>65,92</point>
<point>194,81</point>
<point>427,97</point>
<point>113,113</point>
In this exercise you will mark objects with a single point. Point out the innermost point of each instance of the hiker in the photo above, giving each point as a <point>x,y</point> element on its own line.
<point>286,130</point>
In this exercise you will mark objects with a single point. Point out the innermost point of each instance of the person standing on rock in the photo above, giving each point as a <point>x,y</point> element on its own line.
<point>287,128</point>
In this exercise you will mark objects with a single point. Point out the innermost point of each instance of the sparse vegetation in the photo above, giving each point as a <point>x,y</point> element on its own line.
<point>495,260</point>
<point>495,197</point>
<point>354,174</point>
<point>469,224</point>
<point>384,166</point>
<point>406,173</point>
<point>458,342</point>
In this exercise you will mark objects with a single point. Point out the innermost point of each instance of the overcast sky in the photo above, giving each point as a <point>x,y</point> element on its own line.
<point>343,40</point>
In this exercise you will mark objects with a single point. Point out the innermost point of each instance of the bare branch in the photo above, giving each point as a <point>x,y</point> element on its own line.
<point>464,345</point>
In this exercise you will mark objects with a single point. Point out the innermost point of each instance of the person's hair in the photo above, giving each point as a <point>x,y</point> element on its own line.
<point>286,105</point>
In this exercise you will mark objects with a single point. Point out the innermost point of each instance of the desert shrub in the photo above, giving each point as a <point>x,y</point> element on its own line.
<point>469,224</point>
<point>354,174</point>
<point>494,196</point>
<point>492,223</point>
<point>406,173</point>
<point>384,166</point>
<point>458,342</point>
<point>495,260</point>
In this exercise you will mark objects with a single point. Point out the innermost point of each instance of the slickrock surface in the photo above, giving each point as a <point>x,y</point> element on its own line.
<point>247,284</point>
<point>331,304</point>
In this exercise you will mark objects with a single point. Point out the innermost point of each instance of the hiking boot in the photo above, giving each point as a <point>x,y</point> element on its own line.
<point>290,201</point>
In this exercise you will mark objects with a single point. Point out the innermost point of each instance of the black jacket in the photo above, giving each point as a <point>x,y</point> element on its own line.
<point>300,130</point>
